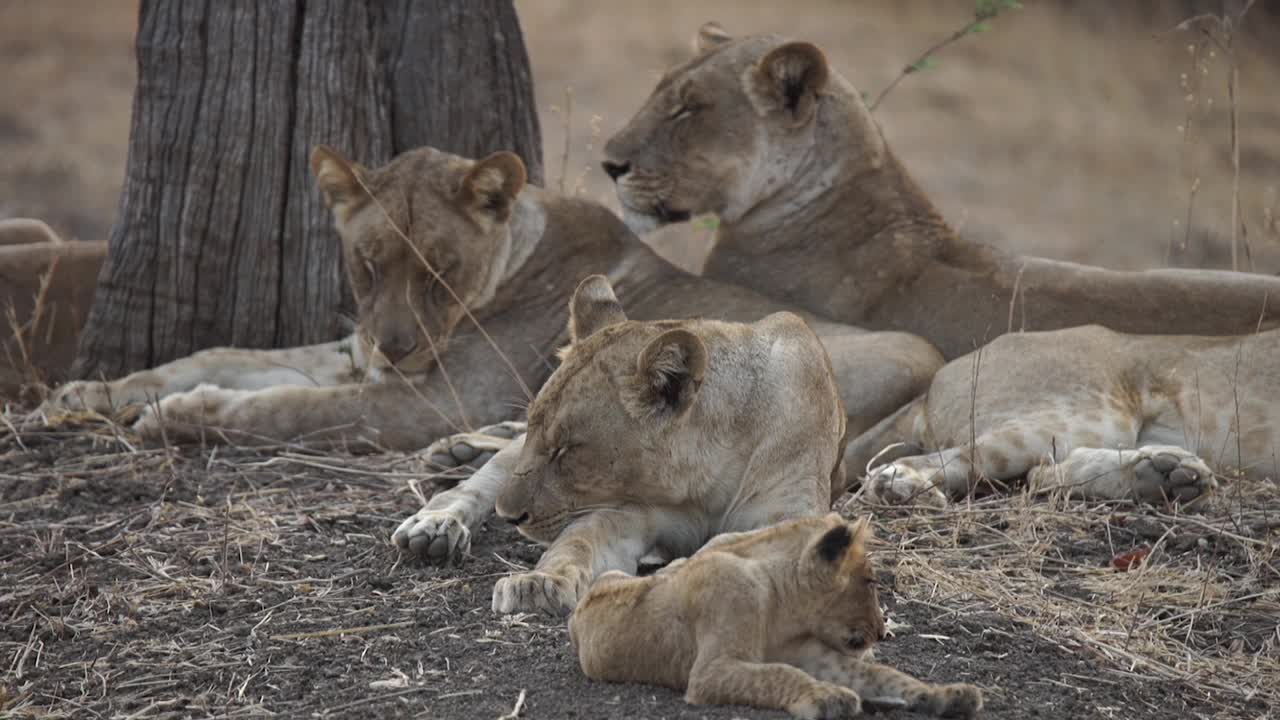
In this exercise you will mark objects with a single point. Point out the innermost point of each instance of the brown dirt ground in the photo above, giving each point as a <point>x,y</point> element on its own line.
<point>230,583</point>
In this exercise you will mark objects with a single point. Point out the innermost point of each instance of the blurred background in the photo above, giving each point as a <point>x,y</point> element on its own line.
<point>1090,131</point>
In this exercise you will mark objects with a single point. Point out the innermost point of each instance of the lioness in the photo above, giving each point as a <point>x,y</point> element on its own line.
<point>1088,411</point>
<point>460,272</point>
<point>656,436</point>
<point>783,617</point>
<point>816,210</point>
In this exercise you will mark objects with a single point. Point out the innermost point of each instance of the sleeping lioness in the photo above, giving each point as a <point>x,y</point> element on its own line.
<point>656,436</point>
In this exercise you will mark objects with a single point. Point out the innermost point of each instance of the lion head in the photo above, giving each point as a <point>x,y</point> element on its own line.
<point>839,584</point>
<point>601,430</point>
<point>727,130</point>
<point>425,238</point>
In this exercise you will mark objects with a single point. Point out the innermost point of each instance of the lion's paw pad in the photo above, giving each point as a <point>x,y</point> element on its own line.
<point>473,448</point>
<point>828,702</point>
<point>900,484</point>
<point>1165,472</point>
<point>437,536</point>
<point>535,592</point>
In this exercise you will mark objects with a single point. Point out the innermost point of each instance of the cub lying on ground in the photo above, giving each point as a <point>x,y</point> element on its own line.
<point>782,617</point>
<point>657,436</point>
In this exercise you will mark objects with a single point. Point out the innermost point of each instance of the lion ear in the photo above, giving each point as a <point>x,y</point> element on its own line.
<point>489,190</point>
<point>669,372</point>
<point>593,306</point>
<point>842,545</point>
<point>788,81</point>
<point>339,180</point>
<point>710,36</point>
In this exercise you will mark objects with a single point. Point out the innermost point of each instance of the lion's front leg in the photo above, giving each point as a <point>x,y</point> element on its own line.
<point>321,365</point>
<point>600,541</point>
<point>389,414</point>
<point>882,685</point>
<point>440,532</point>
<point>474,448</point>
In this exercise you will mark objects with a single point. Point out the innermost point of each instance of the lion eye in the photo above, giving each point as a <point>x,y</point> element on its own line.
<point>682,112</point>
<point>558,453</point>
<point>369,268</point>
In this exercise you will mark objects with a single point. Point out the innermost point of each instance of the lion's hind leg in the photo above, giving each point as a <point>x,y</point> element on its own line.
<point>1003,451</point>
<point>1152,473</point>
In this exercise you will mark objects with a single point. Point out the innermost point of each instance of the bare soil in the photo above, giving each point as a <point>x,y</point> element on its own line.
<point>235,583</point>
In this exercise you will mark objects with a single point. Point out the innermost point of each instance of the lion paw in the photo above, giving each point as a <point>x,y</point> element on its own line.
<point>957,700</point>
<point>473,448</point>
<point>535,591</point>
<point>1154,474</point>
<point>1165,472</point>
<point>186,415</point>
<point>439,537</point>
<point>90,395</point>
<point>827,701</point>
<point>899,483</point>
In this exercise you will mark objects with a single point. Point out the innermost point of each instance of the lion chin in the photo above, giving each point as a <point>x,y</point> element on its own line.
<point>640,223</point>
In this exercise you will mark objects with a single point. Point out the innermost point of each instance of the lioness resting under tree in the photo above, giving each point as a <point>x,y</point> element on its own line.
<point>460,272</point>
<point>782,617</point>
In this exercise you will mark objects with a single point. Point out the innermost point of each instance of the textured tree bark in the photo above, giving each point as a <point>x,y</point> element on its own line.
<point>220,237</point>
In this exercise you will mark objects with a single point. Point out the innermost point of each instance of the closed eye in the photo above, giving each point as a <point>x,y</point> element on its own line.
<point>682,112</point>
<point>370,268</point>
<point>558,453</point>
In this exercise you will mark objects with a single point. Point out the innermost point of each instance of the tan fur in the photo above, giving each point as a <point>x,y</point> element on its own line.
<point>456,323</point>
<point>818,211</point>
<point>655,436</point>
<point>782,617</point>
<point>411,294</point>
<point>815,209</point>
<point>1089,412</point>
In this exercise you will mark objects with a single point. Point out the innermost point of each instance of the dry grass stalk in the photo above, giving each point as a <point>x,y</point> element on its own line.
<point>1201,609</point>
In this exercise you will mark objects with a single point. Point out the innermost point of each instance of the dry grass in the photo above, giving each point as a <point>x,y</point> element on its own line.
<point>130,567</point>
<point>1202,609</point>
<point>220,575</point>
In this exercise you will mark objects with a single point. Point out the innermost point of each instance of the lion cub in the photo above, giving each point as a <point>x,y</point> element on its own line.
<point>782,617</point>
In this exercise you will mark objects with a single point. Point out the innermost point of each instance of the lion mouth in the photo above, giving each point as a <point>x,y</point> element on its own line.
<point>655,214</point>
<point>667,214</point>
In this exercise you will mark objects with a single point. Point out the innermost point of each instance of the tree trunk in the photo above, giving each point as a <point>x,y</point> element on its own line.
<point>221,238</point>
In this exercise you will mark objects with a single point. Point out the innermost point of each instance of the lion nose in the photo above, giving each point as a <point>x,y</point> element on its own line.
<point>397,349</point>
<point>615,170</point>
<point>524,516</point>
